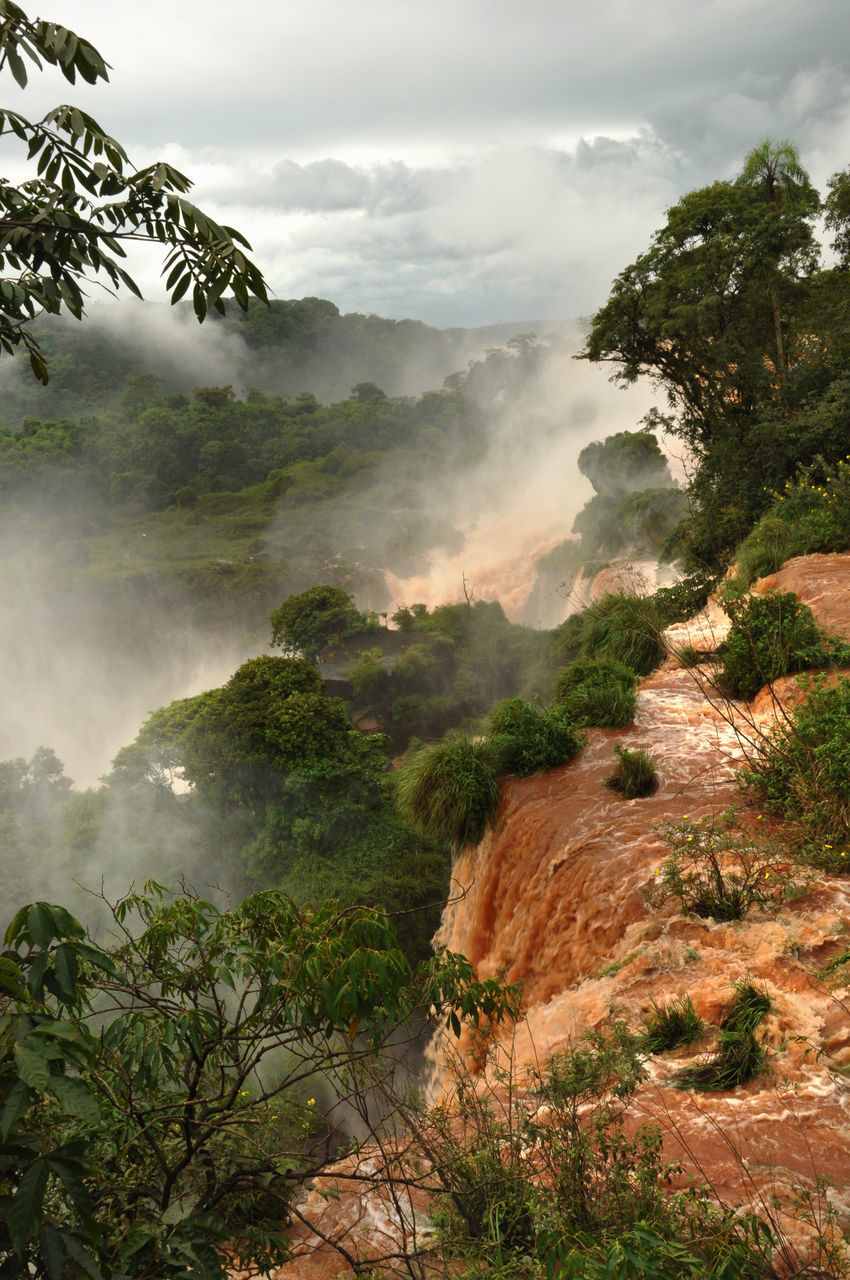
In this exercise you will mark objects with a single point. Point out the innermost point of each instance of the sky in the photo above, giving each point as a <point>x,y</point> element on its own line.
<point>461,162</point>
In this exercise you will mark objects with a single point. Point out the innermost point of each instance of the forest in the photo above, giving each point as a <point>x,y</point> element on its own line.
<point>215,1015</point>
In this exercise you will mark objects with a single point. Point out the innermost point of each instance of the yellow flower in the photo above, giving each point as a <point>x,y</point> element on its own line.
<point>311,1102</point>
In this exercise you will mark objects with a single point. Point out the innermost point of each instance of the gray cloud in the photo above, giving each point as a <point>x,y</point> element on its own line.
<point>462,162</point>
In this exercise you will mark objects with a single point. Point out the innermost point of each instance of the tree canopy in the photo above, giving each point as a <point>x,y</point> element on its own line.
<point>66,224</point>
<point>730,314</point>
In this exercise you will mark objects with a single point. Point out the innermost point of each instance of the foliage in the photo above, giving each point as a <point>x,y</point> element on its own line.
<point>720,312</point>
<point>738,1055</point>
<point>65,224</point>
<point>668,1025</point>
<point>308,623</point>
<point>529,739</point>
<point>624,628</point>
<point>548,1178</point>
<point>449,791</point>
<point>636,506</point>
<point>596,691</point>
<point>156,1119</point>
<point>717,870</point>
<point>772,633</point>
<point>800,770</point>
<point>634,774</point>
<point>811,513</point>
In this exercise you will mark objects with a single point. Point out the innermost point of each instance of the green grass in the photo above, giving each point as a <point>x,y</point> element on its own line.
<point>634,774</point>
<point>738,1056</point>
<point>597,692</point>
<point>449,791</point>
<point>669,1025</point>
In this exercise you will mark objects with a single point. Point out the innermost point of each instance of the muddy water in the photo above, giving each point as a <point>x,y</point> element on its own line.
<point>552,897</point>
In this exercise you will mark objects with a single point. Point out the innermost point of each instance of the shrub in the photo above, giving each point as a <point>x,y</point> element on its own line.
<point>771,635</point>
<point>811,514</point>
<point>449,791</point>
<point>738,1056</point>
<point>801,770</point>
<point>634,775</point>
<point>527,739</point>
<point>597,691</point>
<point>717,870</point>
<point>669,1025</point>
<point>625,628</point>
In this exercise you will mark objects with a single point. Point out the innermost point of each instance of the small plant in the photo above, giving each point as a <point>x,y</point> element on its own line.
<point>449,791</point>
<point>598,692</point>
<point>801,769</point>
<point>634,774</point>
<point>738,1056</point>
<point>526,739</point>
<point>716,870</point>
<point>669,1025</point>
<point>771,635</point>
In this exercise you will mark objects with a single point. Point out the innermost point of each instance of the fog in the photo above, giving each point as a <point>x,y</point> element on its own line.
<point>83,665</point>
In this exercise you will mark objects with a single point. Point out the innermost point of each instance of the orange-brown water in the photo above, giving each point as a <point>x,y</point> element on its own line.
<point>552,897</point>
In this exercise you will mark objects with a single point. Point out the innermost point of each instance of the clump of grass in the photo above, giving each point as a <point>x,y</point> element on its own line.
<point>449,791</point>
<point>634,774</point>
<point>625,628</point>
<point>716,870</point>
<point>738,1056</point>
<point>669,1025</point>
<point>597,692</point>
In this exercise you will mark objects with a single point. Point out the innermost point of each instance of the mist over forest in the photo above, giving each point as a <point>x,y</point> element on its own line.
<point>117,598</point>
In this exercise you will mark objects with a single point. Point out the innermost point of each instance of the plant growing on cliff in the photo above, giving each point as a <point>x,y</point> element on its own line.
<point>801,767</point>
<point>624,628</point>
<point>548,1178</point>
<point>449,790</point>
<point>668,1025</point>
<point>716,870</point>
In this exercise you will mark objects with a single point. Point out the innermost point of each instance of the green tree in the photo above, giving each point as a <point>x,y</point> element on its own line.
<point>158,1098</point>
<point>716,313</point>
<point>67,223</point>
<point>307,623</point>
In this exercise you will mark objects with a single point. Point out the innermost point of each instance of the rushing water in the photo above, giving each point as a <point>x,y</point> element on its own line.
<point>552,897</point>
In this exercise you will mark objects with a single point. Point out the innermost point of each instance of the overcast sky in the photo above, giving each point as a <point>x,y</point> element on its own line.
<point>458,161</point>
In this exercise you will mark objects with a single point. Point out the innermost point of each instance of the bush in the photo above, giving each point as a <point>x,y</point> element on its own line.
<point>625,628</point>
<point>597,692</point>
<point>801,770</point>
<point>449,791</point>
<point>811,514</point>
<point>634,775</point>
<point>669,1025</point>
<point>528,740</point>
<point>717,870</point>
<point>738,1056</point>
<point>771,635</point>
